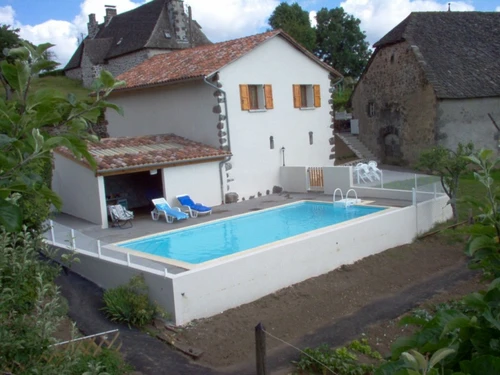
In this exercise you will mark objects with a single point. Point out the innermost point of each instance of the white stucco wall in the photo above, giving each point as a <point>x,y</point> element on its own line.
<point>294,179</point>
<point>200,181</point>
<point>255,165</point>
<point>467,121</point>
<point>185,110</point>
<point>79,189</point>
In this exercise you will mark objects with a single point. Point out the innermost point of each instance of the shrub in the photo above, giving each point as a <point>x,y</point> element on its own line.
<point>341,361</point>
<point>107,361</point>
<point>130,303</point>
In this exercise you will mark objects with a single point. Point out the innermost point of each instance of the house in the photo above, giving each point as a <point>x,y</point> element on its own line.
<point>216,121</point>
<point>127,39</point>
<point>432,80</point>
<point>132,171</point>
<point>264,98</point>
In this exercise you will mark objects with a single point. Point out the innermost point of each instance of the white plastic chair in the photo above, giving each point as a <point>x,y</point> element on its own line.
<point>375,172</point>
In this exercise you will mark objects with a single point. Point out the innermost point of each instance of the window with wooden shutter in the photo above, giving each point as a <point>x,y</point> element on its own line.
<point>297,99</point>
<point>244,98</point>
<point>317,96</point>
<point>256,98</point>
<point>306,96</point>
<point>268,93</point>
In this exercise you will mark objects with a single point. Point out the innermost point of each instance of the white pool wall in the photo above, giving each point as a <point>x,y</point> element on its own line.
<point>209,291</point>
<point>220,285</point>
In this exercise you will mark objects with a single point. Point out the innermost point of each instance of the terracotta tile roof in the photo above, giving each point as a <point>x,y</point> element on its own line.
<point>202,61</point>
<point>117,154</point>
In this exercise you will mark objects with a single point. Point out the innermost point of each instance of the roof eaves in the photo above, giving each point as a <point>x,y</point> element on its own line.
<point>163,164</point>
<point>158,84</point>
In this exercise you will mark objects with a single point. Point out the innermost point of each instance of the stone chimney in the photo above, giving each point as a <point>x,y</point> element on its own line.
<point>110,13</point>
<point>178,20</point>
<point>92,26</point>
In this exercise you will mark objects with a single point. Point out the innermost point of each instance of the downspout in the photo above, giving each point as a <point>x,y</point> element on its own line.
<point>228,158</point>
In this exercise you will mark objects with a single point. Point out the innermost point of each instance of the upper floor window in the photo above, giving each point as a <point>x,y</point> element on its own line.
<point>306,96</point>
<point>256,97</point>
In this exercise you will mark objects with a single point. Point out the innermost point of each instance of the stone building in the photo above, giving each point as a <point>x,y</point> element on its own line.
<point>125,40</point>
<point>432,80</point>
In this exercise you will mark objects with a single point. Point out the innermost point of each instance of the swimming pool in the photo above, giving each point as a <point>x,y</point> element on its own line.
<point>224,237</point>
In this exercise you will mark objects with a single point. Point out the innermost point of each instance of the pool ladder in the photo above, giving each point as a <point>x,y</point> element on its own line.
<point>345,202</point>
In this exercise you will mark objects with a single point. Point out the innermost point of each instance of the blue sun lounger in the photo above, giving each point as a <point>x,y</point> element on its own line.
<point>194,209</point>
<point>163,208</point>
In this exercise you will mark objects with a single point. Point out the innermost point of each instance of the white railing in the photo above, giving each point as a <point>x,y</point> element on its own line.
<point>69,239</point>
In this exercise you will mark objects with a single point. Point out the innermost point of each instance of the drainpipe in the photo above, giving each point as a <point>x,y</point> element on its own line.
<point>221,164</point>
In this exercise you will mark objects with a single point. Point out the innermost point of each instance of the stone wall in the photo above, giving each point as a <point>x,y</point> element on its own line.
<point>121,64</point>
<point>74,74</point>
<point>395,105</point>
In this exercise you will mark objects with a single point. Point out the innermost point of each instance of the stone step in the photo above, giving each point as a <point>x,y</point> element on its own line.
<point>359,149</point>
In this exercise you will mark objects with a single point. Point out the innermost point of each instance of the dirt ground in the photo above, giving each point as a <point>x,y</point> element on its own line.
<point>306,308</point>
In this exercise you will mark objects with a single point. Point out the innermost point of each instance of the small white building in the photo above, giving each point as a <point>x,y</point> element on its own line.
<point>264,99</point>
<point>134,170</point>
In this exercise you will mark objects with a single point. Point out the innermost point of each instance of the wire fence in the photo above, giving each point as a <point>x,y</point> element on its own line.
<point>64,237</point>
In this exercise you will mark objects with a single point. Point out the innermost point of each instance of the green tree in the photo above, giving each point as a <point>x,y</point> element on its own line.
<point>340,42</point>
<point>32,124</point>
<point>294,21</point>
<point>449,165</point>
<point>9,38</point>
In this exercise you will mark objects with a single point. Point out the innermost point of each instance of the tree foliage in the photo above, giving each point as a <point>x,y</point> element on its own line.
<point>9,38</point>
<point>294,21</point>
<point>449,165</point>
<point>32,124</point>
<point>340,41</point>
<point>464,337</point>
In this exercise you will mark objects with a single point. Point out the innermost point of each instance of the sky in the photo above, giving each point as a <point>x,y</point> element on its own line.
<point>62,22</point>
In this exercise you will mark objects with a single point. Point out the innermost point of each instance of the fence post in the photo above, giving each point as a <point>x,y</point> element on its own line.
<point>260,349</point>
<point>99,248</point>
<point>435,190</point>
<point>166,272</point>
<point>415,181</point>
<point>52,232</point>
<point>381,179</point>
<point>128,259</point>
<point>73,239</point>
<point>414,196</point>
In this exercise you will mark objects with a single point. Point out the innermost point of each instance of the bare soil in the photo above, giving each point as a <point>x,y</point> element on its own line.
<point>317,304</point>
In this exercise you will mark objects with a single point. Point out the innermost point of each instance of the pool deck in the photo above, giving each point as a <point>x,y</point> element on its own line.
<point>144,225</point>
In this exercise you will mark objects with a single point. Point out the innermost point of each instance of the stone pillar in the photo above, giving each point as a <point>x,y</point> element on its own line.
<point>178,20</point>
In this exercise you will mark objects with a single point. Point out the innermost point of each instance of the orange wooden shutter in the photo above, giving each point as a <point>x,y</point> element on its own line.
<point>296,96</point>
<point>244,97</point>
<point>268,91</point>
<point>317,96</point>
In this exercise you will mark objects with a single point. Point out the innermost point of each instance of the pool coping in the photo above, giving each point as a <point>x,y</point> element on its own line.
<point>209,263</point>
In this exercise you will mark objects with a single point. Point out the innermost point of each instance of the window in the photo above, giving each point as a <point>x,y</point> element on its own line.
<point>371,109</point>
<point>256,97</point>
<point>306,96</point>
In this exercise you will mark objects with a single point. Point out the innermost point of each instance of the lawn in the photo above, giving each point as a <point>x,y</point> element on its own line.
<point>62,84</point>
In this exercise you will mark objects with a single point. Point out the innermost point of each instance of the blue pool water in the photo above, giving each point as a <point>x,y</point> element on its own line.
<point>215,240</point>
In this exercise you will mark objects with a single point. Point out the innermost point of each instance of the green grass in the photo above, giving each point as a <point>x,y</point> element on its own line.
<point>470,188</point>
<point>62,84</point>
